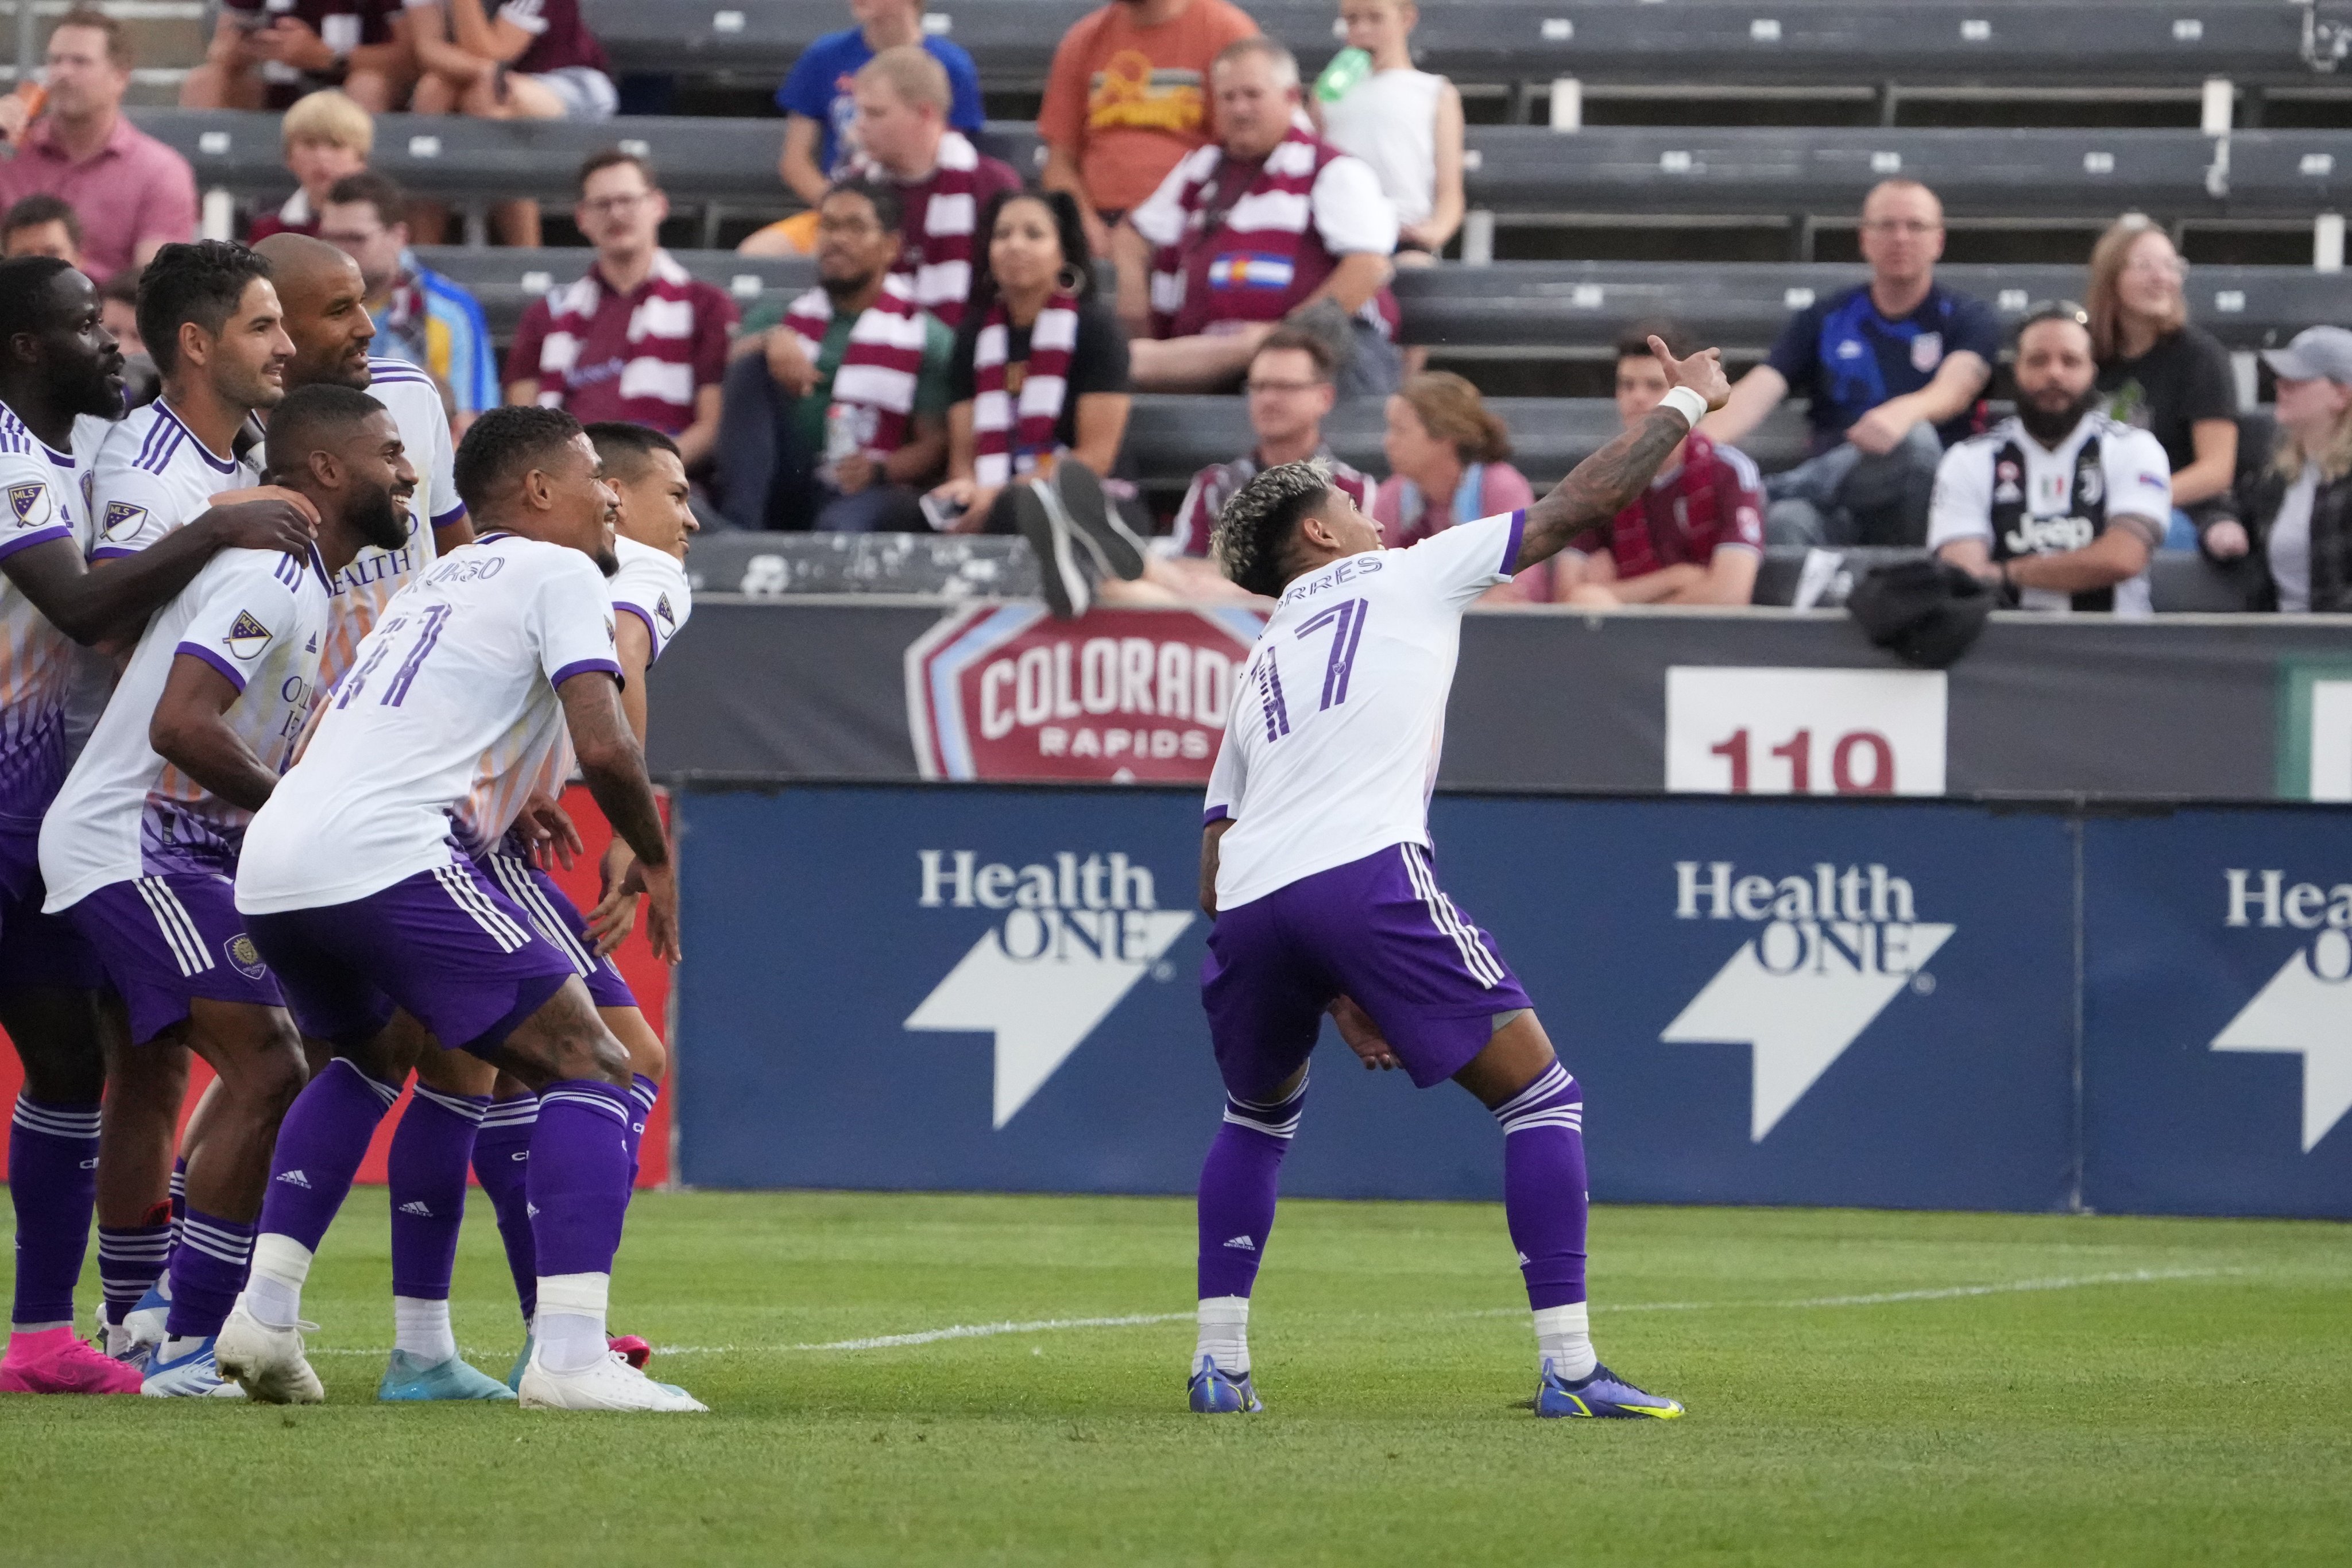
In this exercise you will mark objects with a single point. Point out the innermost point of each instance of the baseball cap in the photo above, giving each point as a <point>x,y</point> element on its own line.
<point>2316,354</point>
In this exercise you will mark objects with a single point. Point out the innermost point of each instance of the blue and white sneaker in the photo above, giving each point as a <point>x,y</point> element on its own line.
<point>1605,1395</point>
<point>407,1378</point>
<point>145,1324</point>
<point>1216,1392</point>
<point>193,1376</point>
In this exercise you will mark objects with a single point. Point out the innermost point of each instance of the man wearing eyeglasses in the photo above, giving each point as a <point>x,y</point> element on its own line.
<point>638,338</point>
<point>2059,506</point>
<point>1891,371</point>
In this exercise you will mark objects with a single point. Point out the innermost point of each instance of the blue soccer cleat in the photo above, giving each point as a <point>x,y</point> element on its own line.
<point>407,1378</point>
<point>1216,1392</point>
<point>1604,1396</point>
<point>143,1325</point>
<point>192,1377</point>
<point>522,1361</point>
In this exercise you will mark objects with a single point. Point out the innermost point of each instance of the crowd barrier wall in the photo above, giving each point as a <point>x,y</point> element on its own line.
<point>1883,1003</point>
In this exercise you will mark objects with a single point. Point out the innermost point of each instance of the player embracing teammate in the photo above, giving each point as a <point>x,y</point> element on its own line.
<point>1317,871</point>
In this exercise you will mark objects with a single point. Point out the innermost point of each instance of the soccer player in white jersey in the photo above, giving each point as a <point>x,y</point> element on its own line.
<point>140,850</point>
<point>359,903</point>
<point>60,382</point>
<point>1315,871</point>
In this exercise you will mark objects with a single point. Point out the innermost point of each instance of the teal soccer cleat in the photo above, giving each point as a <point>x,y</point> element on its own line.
<point>1216,1392</point>
<point>1603,1395</point>
<point>406,1378</point>
<point>522,1359</point>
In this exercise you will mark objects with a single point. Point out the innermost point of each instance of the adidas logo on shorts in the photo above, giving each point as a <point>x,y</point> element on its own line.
<point>294,1179</point>
<point>1242,1244</point>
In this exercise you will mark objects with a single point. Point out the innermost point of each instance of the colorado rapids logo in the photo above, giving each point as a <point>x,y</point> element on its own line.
<point>29,505</point>
<point>247,637</point>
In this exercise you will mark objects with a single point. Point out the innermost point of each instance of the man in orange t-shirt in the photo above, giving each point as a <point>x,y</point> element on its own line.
<point>1128,98</point>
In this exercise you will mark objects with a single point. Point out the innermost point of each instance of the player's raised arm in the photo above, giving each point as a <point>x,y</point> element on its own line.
<point>89,605</point>
<point>1604,484</point>
<point>615,769</point>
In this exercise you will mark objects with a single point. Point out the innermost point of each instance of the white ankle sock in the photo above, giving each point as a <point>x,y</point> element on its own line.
<point>1224,1333</point>
<point>570,1323</point>
<point>421,1327</point>
<point>273,1291</point>
<point>1564,1338</point>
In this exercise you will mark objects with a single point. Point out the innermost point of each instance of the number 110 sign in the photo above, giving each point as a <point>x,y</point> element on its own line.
<point>1804,731</point>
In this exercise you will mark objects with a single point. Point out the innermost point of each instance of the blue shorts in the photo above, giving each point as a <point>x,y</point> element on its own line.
<point>1377,930</point>
<point>560,920</point>
<point>443,945</point>
<point>168,939</point>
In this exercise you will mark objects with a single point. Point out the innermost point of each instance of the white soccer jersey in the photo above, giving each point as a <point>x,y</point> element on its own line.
<point>466,659</point>
<point>363,588</point>
<point>151,476</point>
<point>651,586</point>
<point>41,500</point>
<point>1332,740</point>
<point>2134,473</point>
<point>254,615</point>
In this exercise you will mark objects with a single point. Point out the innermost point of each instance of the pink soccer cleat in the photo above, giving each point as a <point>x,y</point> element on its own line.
<point>54,1362</point>
<point>631,1349</point>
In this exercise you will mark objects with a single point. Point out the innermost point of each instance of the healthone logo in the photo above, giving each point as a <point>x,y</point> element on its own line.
<point>1066,941</point>
<point>2306,1010</point>
<point>1827,953</point>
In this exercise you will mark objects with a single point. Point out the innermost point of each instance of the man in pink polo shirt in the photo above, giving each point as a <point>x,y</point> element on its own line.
<point>133,194</point>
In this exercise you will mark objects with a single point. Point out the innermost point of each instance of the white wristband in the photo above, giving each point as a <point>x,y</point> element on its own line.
<point>1687,402</point>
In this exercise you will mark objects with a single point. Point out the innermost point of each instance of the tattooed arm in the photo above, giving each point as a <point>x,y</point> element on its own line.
<point>1604,484</point>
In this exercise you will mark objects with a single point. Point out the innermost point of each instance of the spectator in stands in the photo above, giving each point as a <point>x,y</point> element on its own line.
<point>1447,454</point>
<point>1405,123</point>
<point>2162,374</point>
<point>837,415</point>
<point>1127,97</point>
<point>2299,511</point>
<point>944,182</point>
<point>133,194</point>
<point>1290,394</point>
<point>1696,536</point>
<point>1271,222</point>
<point>1038,374</point>
<point>1892,371</point>
<point>326,136</point>
<point>421,317</point>
<point>638,338</point>
<point>267,55</point>
<point>41,225</point>
<point>530,60</point>
<point>820,103</point>
<point>118,312</point>
<point>2058,505</point>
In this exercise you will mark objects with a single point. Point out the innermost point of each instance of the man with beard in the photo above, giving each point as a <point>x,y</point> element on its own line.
<point>2059,506</point>
<point>836,418</point>
<point>140,851</point>
<point>362,904</point>
<point>60,382</point>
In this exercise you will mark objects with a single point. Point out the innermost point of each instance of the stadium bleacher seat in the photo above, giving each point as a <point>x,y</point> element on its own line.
<point>2117,42</point>
<point>1762,171</point>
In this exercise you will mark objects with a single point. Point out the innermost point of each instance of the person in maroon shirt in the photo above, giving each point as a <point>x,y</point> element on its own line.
<point>638,339</point>
<point>1697,535</point>
<point>269,56</point>
<point>133,194</point>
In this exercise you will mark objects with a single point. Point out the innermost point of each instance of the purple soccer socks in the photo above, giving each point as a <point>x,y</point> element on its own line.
<point>53,1182</point>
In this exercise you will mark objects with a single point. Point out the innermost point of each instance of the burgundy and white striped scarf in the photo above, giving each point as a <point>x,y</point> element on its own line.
<point>880,367</point>
<point>940,267</point>
<point>1009,439</point>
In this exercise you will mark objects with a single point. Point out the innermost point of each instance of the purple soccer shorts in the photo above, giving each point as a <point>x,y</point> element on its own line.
<point>560,920</point>
<point>1378,930</point>
<point>168,939</point>
<point>36,949</point>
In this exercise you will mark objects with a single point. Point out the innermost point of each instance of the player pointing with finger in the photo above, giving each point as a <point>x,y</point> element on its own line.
<point>1317,871</point>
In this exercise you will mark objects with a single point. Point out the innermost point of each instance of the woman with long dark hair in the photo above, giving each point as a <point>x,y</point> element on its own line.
<point>1038,401</point>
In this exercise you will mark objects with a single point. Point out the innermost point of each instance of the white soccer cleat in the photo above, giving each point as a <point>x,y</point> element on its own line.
<point>611,1383</point>
<point>267,1363</point>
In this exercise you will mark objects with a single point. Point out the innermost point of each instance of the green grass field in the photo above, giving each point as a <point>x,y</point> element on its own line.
<point>1870,1388</point>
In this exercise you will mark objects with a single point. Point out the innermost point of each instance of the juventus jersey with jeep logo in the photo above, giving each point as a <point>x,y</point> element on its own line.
<point>2023,499</point>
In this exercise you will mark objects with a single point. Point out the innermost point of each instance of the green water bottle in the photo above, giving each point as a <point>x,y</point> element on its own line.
<point>1347,68</point>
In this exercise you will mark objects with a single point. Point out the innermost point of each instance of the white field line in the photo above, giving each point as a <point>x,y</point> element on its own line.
<point>1053,1325</point>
